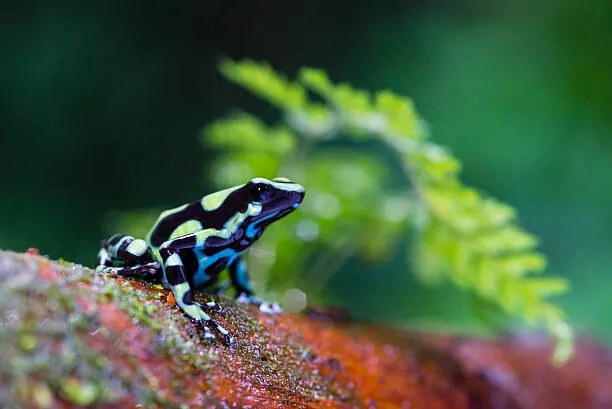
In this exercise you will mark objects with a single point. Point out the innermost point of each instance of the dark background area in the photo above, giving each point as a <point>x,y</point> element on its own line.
<point>101,104</point>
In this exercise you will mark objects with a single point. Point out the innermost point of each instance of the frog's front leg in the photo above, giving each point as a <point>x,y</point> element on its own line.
<point>174,271</point>
<point>244,288</point>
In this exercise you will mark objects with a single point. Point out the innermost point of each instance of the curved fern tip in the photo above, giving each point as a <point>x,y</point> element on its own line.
<point>462,235</point>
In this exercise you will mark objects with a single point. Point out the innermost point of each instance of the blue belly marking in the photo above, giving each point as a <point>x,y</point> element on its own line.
<point>200,277</point>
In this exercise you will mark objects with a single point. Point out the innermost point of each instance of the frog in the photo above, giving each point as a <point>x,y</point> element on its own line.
<point>190,245</point>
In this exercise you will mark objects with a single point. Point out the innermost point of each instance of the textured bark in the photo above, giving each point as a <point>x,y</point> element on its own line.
<point>73,337</point>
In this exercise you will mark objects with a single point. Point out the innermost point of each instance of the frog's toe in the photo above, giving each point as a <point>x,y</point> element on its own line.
<point>247,299</point>
<point>229,340</point>
<point>214,306</point>
<point>151,269</point>
<point>270,308</point>
<point>207,324</point>
<point>265,307</point>
<point>206,332</point>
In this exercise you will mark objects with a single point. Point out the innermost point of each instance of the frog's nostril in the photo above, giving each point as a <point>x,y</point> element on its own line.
<point>297,199</point>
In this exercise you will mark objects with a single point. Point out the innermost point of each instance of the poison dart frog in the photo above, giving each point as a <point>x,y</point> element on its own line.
<point>190,245</point>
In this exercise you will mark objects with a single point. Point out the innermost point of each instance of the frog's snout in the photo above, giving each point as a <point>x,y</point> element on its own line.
<point>299,196</point>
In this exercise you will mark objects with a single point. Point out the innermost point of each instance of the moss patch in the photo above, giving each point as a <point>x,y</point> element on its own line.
<point>74,337</point>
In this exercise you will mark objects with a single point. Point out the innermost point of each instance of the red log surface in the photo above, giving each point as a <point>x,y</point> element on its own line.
<point>73,337</point>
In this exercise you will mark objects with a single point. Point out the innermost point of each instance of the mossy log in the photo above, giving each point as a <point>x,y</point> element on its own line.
<point>73,337</point>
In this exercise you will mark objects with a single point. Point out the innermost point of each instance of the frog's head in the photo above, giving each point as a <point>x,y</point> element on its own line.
<point>278,196</point>
<point>273,199</point>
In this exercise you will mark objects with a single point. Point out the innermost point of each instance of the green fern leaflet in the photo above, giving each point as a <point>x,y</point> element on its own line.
<point>459,234</point>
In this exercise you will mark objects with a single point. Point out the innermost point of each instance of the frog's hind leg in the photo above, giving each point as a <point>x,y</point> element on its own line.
<point>124,255</point>
<point>124,249</point>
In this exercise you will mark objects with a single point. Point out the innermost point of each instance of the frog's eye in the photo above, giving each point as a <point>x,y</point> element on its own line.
<point>260,192</point>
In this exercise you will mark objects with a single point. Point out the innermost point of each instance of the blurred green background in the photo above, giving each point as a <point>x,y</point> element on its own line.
<point>101,105</point>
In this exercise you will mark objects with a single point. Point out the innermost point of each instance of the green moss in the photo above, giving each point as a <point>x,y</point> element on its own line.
<point>27,342</point>
<point>79,392</point>
<point>41,395</point>
<point>57,313</point>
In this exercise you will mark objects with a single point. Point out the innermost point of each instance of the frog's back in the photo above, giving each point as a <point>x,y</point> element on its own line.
<point>211,212</point>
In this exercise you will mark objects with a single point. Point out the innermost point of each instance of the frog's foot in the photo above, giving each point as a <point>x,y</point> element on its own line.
<point>214,306</point>
<point>151,269</point>
<point>206,323</point>
<point>264,306</point>
<point>206,332</point>
<point>207,326</point>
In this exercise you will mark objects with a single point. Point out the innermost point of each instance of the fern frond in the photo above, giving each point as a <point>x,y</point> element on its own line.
<point>461,235</point>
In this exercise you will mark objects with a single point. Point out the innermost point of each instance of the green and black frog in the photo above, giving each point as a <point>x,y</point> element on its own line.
<point>190,245</point>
